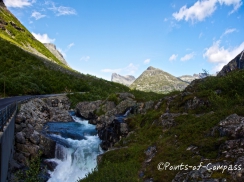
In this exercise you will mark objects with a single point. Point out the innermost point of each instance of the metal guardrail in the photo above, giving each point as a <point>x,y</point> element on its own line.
<point>8,111</point>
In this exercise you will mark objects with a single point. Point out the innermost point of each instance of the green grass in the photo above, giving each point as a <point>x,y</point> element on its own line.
<point>24,74</point>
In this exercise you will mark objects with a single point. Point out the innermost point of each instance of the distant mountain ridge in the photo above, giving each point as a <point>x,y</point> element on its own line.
<point>157,80</point>
<point>125,80</point>
<point>189,78</point>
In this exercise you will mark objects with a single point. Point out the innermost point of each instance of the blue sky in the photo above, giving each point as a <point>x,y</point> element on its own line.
<point>100,37</point>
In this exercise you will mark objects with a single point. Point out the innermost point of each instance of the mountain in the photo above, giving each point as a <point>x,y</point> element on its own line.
<point>125,80</point>
<point>156,80</point>
<point>13,31</point>
<point>28,67</point>
<point>234,64</point>
<point>189,78</point>
<point>52,48</point>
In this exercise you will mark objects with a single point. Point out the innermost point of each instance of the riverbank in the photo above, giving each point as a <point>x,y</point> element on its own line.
<point>29,140</point>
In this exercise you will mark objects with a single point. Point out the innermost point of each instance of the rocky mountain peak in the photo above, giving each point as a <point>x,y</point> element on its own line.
<point>234,64</point>
<point>52,48</point>
<point>2,4</point>
<point>151,68</point>
<point>125,80</point>
<point>51,45</point>
<point>157,80</point>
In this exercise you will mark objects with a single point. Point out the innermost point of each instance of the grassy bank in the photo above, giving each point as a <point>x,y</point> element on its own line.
<point>191,129</point>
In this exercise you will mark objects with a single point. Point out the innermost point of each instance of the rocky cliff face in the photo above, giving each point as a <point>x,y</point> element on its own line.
<point>156,80</point>
<point>29,140</point>
<point>109,117</point>
<point>234,64</point>
<point>125,80</point>
<point>2,4</point>
<point>52,48</point>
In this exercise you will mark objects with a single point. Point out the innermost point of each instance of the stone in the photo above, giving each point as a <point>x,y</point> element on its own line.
<point>20,118</point>
<point>20,138</point>
<point>51,165</point>
<point>107,106</point>
<point>30,126</point>
<point>48,146</point>
<point>195,103</point>
<point>99,158</point>
<point>232,125</point>
<point>18,128</point>
<point>26,148</point>
<point>35,137</point>
<point>126,95</point>
<point>28,132</point>
<point>123,128</point>
<point>86,109</point>
<point>20,158</point>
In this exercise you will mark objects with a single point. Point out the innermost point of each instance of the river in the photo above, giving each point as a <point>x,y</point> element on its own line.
<point>76,149</point>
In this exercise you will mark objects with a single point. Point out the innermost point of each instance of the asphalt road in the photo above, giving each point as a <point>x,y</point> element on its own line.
<point>10,100</point>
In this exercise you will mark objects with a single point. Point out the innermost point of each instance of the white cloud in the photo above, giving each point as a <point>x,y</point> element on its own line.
<point>203,9</point>
<point>61,10</point>
<point>173,57</point>
<point>70,45</point>
<point>37,15</point>
<point>130,69</point>
<point>228,31</point>
<point>43,38</point>
<point>187,57</point>
<point>147,61</point>
<point>220,55</point>
<point>18,3</point>
<point>199,11</point>
<point>236,3</point>
<point>85,58</point>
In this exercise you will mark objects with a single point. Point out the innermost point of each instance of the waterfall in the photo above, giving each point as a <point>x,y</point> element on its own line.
<point>127,112</point>
<point>78,157</point>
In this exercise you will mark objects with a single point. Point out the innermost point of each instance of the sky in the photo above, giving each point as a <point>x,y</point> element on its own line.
<point>100,37</point>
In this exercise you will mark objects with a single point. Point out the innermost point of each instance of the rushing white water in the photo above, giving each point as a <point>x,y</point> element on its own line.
<point>79,158</point>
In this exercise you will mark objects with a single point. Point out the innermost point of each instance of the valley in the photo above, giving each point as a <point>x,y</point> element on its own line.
<point>154,128</point>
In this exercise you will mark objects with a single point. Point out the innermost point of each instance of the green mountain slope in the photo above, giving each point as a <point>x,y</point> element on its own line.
<point>156,80</point>
<point>25,73</point>
<point>28,67</point>
<point>13,31</point>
